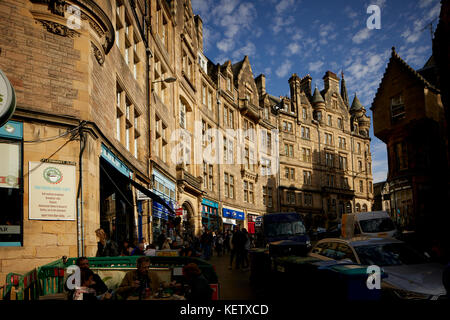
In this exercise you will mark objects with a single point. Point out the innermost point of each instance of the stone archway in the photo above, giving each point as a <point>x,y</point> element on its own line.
<point>188,219</point>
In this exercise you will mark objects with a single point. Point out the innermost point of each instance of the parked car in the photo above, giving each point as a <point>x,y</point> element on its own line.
<point>372,224</point>
<point>410,274</point>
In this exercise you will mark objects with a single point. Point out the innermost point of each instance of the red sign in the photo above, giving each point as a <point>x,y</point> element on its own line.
<point>251,227</point>
<point>179,212</point>
<point>215,294</point>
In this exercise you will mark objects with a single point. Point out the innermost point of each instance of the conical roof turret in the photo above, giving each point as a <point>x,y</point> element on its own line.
<point>317,97</point>
<point>356,104</point>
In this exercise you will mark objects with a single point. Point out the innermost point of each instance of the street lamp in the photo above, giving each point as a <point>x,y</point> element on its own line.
<point>167,80</point>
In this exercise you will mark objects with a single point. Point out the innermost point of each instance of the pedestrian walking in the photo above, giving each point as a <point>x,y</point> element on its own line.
<point>239,244</point>
<point>219,245</point>
<point>226,242</point>
<point>234,245</point>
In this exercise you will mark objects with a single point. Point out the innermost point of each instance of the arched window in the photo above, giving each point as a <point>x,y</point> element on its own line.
<point>364,208</point>
<point>358,207</point>
<point>348,207</point>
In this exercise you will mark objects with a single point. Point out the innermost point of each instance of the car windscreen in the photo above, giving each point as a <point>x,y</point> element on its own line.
<point>278,229</point>
<point>377,225</point>
<point>389,254</point>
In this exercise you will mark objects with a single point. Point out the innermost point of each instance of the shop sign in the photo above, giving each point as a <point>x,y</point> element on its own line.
<point>229,221</point>
<point>115,162</point>
<point>210,203</point>
<point>233,214</point>
<point>52,192</point>
<point>12,130</point>
<point>258,221</point>
<point>141,196</point>
<point>7,99</point>
<point>7,229</point>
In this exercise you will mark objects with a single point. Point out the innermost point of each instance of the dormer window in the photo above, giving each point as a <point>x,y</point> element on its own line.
<point>397,108</point>
<point>229,84</point>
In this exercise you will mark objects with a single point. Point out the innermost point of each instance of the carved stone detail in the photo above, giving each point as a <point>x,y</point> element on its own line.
<point>99,54</point>
<point>58,29</point>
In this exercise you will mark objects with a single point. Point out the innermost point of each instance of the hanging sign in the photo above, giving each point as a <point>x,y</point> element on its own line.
<point>7,99</point>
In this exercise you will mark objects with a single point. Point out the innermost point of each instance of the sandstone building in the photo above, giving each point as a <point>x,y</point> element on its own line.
<point>120,92</point>
<point>409,117</point>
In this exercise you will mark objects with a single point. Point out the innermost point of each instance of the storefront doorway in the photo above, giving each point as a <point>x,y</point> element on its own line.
<point>188,220</point>
<point>116,205</point>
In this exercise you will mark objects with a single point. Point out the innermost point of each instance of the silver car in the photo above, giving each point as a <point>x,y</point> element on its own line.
<point>410,274</point>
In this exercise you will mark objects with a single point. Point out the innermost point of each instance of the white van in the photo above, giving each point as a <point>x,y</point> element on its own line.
<point>372,224</point>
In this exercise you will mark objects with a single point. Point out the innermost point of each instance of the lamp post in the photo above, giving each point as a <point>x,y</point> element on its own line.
<point>277,108</point>
<point>354,198</point>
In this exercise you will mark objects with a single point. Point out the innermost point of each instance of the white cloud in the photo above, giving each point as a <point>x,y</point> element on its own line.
<point>351,14</point>
<point>281,22</point>
<point>425,3</point>
<point>283,5</point>
<point>225,45</point>
<point>284,69</point>
<point>248,50</point>
<point>293,48</point>
<point>315,66</point>
<point>362,35</point>
<point>201,6</point>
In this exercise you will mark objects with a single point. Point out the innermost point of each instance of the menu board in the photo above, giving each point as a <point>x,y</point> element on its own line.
<point>52,193</point>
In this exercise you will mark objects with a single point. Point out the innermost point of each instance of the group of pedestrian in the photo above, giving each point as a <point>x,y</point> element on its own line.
<point>240,244</point>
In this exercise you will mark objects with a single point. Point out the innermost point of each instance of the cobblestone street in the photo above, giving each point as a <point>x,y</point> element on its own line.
<point>234,284</point>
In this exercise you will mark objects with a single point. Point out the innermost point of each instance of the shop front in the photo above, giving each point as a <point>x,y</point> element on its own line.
<point>163,221</point>
<point>232,217</point>
<point>117,207</point>
<point>11,186</point>
<point>252,218</point>
<point>210,210</point>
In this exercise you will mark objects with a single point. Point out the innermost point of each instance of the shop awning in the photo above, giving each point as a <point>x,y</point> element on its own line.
<point>152,196</point>
<point>144,190</point>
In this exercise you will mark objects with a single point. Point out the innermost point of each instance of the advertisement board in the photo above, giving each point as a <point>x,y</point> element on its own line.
<point>52,191</point>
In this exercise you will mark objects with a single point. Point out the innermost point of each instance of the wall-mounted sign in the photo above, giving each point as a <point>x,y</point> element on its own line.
<point>233,214</point>
<point>52,192</point>
<point>7,99</point>
<point>115,162</point>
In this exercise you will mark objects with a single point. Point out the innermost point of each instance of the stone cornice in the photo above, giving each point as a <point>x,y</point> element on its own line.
<point>56,16</point>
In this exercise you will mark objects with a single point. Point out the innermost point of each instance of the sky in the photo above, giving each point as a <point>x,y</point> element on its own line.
<point>282,37</point>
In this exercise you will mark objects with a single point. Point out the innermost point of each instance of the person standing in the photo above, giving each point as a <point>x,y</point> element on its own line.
<point>239,245</point>
<point>226,242</point>
<point>105,247</point>
<point>234,239</point>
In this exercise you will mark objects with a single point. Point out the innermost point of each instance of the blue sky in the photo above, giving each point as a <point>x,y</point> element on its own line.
<point>282,37</point>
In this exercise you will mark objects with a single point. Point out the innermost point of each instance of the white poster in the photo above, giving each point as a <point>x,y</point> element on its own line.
<point>52,193</point>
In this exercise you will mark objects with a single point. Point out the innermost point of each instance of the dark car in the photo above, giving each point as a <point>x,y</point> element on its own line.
<point>410,274</point>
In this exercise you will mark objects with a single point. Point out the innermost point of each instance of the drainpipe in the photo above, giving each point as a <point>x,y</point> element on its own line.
<point>80,225</point>
<point>320,163</point>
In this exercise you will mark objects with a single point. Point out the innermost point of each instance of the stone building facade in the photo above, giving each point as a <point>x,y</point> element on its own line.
<point>130,96</point>
<point>78,69</point>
